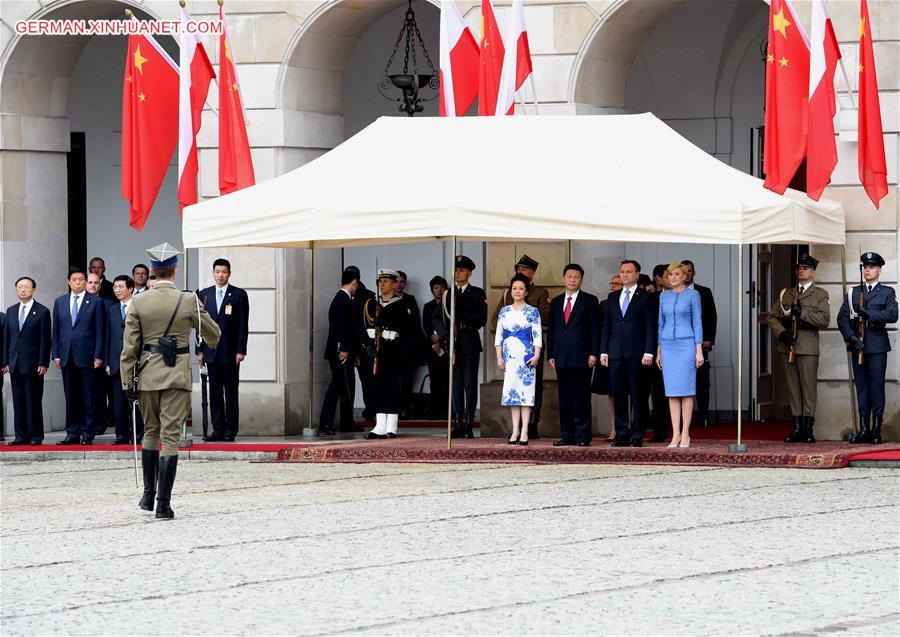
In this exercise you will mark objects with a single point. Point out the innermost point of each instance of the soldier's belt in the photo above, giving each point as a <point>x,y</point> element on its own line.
<point>155,349</point>
<point>389,335</point>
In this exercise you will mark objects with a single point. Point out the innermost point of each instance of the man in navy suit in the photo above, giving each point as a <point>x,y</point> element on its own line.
<point>627,342</point>
<point>26,357</point>
<point>77,343</point>
<point>123,288</point>
<point>709,319</point>
<point>229,307</point>
<point>340,351</point>
<point>573,343</point>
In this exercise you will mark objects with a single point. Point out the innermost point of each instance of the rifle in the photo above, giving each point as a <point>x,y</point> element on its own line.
<point>860,357</point>
<point>135,376</point>
<point>204,397</point>
<point>792,352</point>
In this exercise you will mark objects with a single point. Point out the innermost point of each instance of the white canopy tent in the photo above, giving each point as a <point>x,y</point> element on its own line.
<point>615,178</point>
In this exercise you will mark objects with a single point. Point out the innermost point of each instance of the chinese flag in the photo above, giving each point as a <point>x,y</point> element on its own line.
<point>149,123</point>
<point>787,85</point>
<point>235,164</point>
<point>491,60</point>
<point>872,165</point>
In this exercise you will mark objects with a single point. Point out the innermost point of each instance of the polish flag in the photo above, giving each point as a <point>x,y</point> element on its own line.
<point>492,51</point>
<point>459,63</point>
<point>821,150</point>
<point>871,158</point>
<point>195,74</point>
<point>515,67</point>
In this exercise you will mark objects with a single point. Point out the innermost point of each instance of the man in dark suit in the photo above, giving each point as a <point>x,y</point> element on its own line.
<point>340,350</point>
<point>78,337</point>
<point>573,343</point>
<point>123,287</point>
<point>710,320</point>
<point>471,316</point>
<point>104,403</point>
<point>434,323</point>
<point>229,307</point>
<point>98,266</point>
<point>626,344</point>
<point>660,418</point>
<point>363,297</point>
<point>2,373</point>
<point>26,357</point>
<point>140,273</point>
<point>414,343</point>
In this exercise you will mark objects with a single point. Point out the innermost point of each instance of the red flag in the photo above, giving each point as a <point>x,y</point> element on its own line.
<point>515,67</point>
<point>195,75</point>
<point>491,60</point>
<point>872,165</point>
<point>149,123</point>
<point>821,149</point>
<point>787,85</point>
<point>459,63</point>
<point>235,163</point>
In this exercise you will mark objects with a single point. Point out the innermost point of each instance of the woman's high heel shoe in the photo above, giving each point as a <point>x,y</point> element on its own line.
<point>513,441</point>
<point>673,445</point>
<point>523,443</point>
<point>685,445</point>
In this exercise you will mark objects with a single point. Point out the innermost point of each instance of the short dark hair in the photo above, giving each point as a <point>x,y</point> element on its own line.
<point>687,262</point>
<point>637,266</point>
<point>573,266</point>
<point>100,259</point>
<point>152,277</point>
<point>644,280</point>
<point>402,274</point>
<point>27,278</point>
<point>348,277</point>
<point>438,280</point>
<point>352,268</point>
<point>660,270</point>
<point>144,266</point>
<point>77,269</point>
<point>129,282</point>
<point>164,273</point>
<point>522,278</point>
<point>223,262</point>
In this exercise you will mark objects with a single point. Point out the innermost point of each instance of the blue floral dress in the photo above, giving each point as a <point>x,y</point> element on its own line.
<point>519,333</point>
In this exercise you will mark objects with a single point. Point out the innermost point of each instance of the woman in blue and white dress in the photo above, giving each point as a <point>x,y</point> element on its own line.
<point>518,343</point>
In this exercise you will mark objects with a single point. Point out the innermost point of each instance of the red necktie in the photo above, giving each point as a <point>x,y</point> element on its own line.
<point>567,312</point>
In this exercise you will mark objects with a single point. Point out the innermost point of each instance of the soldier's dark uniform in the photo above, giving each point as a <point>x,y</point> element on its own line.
<point>812,311</point>
<point>471,316</point>
<point>879,307</point>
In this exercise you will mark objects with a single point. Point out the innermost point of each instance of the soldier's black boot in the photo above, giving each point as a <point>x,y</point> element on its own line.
<point>875,439</point>
<point>150,466</point>
<point>459,429</point>
<point>469,433</point>
<point>167,467</point>
<point>863,435</point>
<point>808,423</point>
<point>796,434</point>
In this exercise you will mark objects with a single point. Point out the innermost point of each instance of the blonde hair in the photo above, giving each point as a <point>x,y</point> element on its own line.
<point>677,265</point>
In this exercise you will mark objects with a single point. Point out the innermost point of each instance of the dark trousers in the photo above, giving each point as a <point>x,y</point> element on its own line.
<point>625,383</point>
<point>223,397</point>
<point>465,388</point>
<point>388,381</point>
<point>869,379</point>
<point>661,418</point>
<point>28,397</point>
<point>367,382</point>
<point>122,411</point>
<point>538,399</point>
<point>438,378</point>
<point>104,405</point>
<point>574,387</point>
<point>80,386</point>
<point>702,397</point>
<point>338,391</point>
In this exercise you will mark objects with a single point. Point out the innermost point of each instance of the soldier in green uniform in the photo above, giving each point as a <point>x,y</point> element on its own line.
<point>540,298</point>
<point>157,329</point>
<point>795,320</point>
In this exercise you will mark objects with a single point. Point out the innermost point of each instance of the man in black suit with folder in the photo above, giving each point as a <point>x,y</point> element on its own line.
<point>626,344</point>
<point>340,351</point>
<point>573,343</point>
<point>230,309</point>
<point>123,288</point>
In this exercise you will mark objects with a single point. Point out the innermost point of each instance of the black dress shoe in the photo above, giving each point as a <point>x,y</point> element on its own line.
<point>325,432</point>
<point>583,444</point>
<point>69,441</point>
<point>457,433</point>
<point>85,442</point>
<point>564,443</point>
<point>621,443</point>
<point>19,443</point>
<point>374,436</point>
<point>214,437</point>
<point>637,443</point>
<point>229,439</point>
<point>391,435</point>
<point>470,435</point>
<point>122,441</point>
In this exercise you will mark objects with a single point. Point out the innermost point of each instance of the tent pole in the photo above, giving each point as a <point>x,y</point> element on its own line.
<point>452,352</point>
<point>312,296</point>
<point>853,409</point>
<point>740,447</point>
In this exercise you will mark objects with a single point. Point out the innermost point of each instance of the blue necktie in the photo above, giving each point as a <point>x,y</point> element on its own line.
<point>219,300</point>
<point>625,302</point>
<point>74,309</point>
<point>22,315</point>
<point>123,311</point>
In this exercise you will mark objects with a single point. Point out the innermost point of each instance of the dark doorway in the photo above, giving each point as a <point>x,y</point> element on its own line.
<point>76,170</point>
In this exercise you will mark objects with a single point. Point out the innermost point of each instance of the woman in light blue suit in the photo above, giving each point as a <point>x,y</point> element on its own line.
<point>680,351</point>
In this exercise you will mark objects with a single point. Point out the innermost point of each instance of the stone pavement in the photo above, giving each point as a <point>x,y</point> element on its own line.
<point>259,549</point>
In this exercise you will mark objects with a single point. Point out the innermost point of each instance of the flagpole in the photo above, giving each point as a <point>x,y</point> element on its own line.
<point>740,447</point>
<point>452,351</point>
<point>847,82</point>
<point>534,93</point>
<point>853,410</point>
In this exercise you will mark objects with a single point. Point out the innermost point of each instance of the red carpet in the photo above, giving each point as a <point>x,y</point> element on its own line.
<point>880,454</point>
<point>197,446</point>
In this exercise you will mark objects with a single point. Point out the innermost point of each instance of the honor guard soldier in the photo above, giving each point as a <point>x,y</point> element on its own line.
<point>390,325</point>
<point>795,320</point>
<point>161,319</point>
<point>471,316</point>
<point>862,320</point>
<point>540,298</point>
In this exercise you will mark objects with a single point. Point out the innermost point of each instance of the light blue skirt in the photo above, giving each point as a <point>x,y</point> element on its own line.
<point>678,366</point>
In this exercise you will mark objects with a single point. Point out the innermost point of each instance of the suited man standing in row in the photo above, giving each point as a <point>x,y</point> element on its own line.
<point>471,316</point>
<point>26,357</point>
<point>230,309</point>
<point>340,352</point>
<point>710,321</point>
<point>98,266</point>
<point>573,343</point>
<point>77,343</point>
<point>626,344</point>
<point>123,288</point>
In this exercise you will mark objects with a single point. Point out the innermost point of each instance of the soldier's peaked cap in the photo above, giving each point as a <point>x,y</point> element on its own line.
<point>462,261</point>
<point>805,259</point>
<point>871,258</point>
<point>163,256</point>
<point>527,262</point>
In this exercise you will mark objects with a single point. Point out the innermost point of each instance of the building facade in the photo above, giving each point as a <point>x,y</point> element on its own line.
<point>308,73</point>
